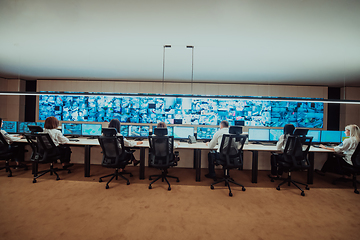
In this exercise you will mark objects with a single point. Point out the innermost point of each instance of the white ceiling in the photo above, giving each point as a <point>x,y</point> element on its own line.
<point>306,42</point>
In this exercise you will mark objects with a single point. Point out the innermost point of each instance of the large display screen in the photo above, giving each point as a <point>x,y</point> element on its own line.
<point>181,110</point>
<point>10,126</point>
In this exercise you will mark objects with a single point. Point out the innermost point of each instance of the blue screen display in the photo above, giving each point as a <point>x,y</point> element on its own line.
<point>315,134</point>
<point>181,110</point>
<point>275,134</point>
<point>169,129</point>
<point>138,131</point>
<point>259,134</point>
<point>206,132</point>
<point>183,132</point>
<point>10,126</point>
<point>73,129</point>
<point>124,130</point>
<point>91,129</point>
<point>330,136</point>
<point>23,127</point>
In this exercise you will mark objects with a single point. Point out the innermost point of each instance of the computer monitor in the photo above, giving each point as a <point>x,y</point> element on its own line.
<point>343,136</point>
<point>35,128</point>
<point>71,129</point>
<point>160,131</point>
<point>23,127</point>
<point>10,126</point>
<point>315,134</point>
<point>183,132</point>
<point>235,130</point>
<point>206,133</point>
<point>109,132</point>
<point>138,131</point>
<point>259,135</point>
<point>41,124</point>
<point>239,123</point>
<point>124,130</point>
<point>170,130</point>
<point>328,136</point>
<point>275,134</point>
<point>91,130</point>
<point>301,131</point>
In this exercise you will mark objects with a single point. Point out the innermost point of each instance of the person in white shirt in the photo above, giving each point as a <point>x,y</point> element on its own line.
<point>11,139</point>
<point>216,140</point>
<point>115,123</point>
<point>276,172</point>
<point>347,148</point>
<point>60,141</point>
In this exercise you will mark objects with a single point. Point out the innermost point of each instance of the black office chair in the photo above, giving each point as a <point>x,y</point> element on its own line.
<point>295,158</point>
<point>114,156</point>
<point>162,157</point>
<point>9,152</point>
<point>45,152</point>
<point>230,157</point>
<point>354,169</point>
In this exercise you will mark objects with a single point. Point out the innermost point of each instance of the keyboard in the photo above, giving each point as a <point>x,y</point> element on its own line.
<point>73,140</point>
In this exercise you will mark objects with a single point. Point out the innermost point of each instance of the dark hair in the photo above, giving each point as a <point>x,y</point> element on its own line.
<point>161,125</point>
<point>224,123</point>
<point>0,121</point>
<point>289,129</point>
<point>51,123</point>
<point>115,123</point>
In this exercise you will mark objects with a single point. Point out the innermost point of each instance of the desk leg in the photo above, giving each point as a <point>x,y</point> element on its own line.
<point>310,175</point>
<point>142,163</point>
<point>197,164</point>
<point>254,168</point>
<point>87,161</point>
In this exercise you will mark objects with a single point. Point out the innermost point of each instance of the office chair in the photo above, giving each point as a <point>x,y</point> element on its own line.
<point>9,152</point>
<point>162,157</point>
<point>354,169</point>
<point>45,152</point>
<point>230,157</point>
<point>295,158</point>
<point>114,156</point>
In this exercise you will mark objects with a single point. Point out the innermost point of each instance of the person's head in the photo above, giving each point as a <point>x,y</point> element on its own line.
<point>115,123</point>
<point>353,130</point>
<point>224,124</point>
<point>289,129</point>
<point>161,125</point>
<point>51,123</point>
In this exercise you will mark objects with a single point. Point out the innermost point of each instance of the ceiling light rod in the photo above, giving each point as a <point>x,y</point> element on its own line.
<point>276,99</point>
<point>163,72</point>
<point>192,66</point>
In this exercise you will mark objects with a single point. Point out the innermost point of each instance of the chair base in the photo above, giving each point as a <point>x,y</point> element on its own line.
<point>353,180</point>
<point>116,175</point>
<point>164,175</point>
<point>227,179</point>
<point>8,167</point>
<point>52,171</point>
<point>289,181</point>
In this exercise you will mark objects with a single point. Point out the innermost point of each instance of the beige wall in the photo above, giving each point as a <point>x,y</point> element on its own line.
<point>12,107</point>
<point>350,113</point>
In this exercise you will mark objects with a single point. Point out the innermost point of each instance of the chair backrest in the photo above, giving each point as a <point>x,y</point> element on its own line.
<point>4,145</point>
<point>160,131</point>
<point>296,151</point>
<point>31,139</point>
<point>355,158</point>
<point>231,150</point>
<point>113,151</point>
<point>46,150</point>
<point>161,151</point>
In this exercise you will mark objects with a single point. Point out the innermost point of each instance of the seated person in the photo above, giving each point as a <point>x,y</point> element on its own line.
<point>11,140</point>
<point>161,125</point>
<point>212,156</point>
<point>60,141</point>
<point>335,163</point>
<point>115,123</point>
<point>276,172</point>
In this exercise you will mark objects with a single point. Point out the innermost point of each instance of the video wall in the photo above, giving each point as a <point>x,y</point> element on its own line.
<point>181,110</point>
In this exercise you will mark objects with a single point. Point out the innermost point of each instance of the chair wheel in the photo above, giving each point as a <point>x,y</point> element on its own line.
<point>34,181</point>
<point>356,191</point>
<point>150,187</point>
<point>128,183</point>
<point>177,180</point>
<point>57,179</point>
<point>169,188</point>
<point>307,188</point>
<point>243,188</point>
<point>100,180</point>
<point>302,194</point>
<point>107,187</point>
<point>230,194</point>
<point>212,187</point>
<point>10,175</point>
<point>278,188</point>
